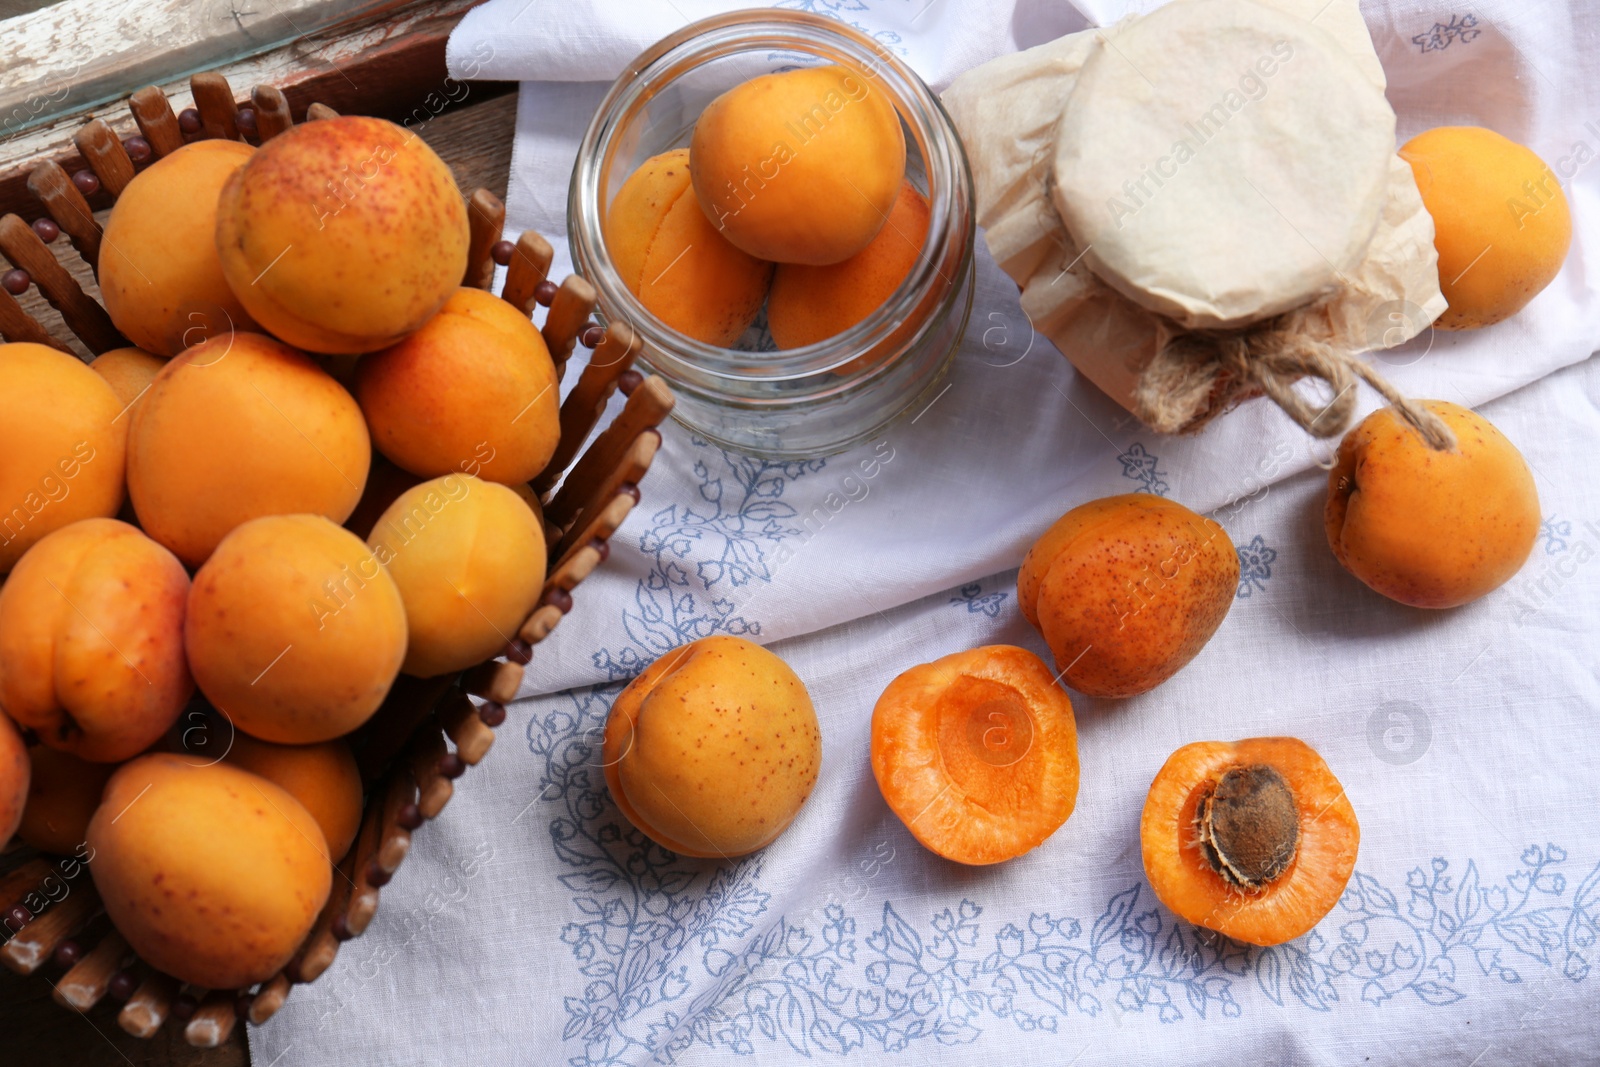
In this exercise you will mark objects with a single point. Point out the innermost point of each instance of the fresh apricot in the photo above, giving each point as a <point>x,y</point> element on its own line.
<point>802,166</point>
<point>213,874</point>
<point>295,630</point>
<point>713,750</point>
<point>63,442</point>
<point>679,265</point>
<point>62,798</point>
<point>810,304</point>
<point>473,390</point>
<point>343,235</point>
<point>1427,528</point>
<point>1500,221</point>
<point>322,777</point>
<point>91,640</point>
<point>236,428</point>
<point>1126,590</point>
<point>1253,839</point>
<point>129,371</point>
<point>977,753</point>
<point>160,277</point>
<point>14,774</point>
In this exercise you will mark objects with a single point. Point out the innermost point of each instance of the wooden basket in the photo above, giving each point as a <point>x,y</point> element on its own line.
<point>428,730</point>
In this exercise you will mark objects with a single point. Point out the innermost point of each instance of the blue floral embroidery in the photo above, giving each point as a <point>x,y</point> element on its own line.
<point>1144,468</point>
<point>650,926</point>
<point>1440,36</point>
<point>1255,566</point>
<point>842,10</point>
<point>724,541</point>
<point>977,603</point>
<point>1554,533</point>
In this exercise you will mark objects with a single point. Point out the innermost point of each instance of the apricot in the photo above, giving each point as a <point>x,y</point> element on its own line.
<point>343,235</point>
<point>160,277</point>
<point>1431,529</point>
<point>468,557</point>
<point>129,371</point>
<point>800,167</point>
<point>295,630</point>
<point>236,428</point>
<point>713,749</point>
<point>62,446</point>
<point>810,304</point>
<point>474,389</point>
<point>977,753</point>
<point>91,640</point>
<point>1500,221</point>
<point>322,777</point>
<point>679,265</point>
<point>62,797</point>
<point>213,874</point>
<point>1126,590</point>
<point>1253,839</point>
<point>14,775</point>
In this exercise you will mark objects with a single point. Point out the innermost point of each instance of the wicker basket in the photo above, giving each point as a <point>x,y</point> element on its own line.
<point>428,730</point>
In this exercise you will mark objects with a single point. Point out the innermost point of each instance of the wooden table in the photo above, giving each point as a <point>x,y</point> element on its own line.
<point>474,137</point>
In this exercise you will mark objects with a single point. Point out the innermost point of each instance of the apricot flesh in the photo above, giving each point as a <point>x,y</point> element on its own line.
<point>1501,222</point>
<point>129,372</point>
<point>14,779</point>
<point>802,166</point>
<point>160,276</point>
<point>213,874</point>
<point>91,640</point>
<point>1126,590</point>
<point>713,750</point>
<point>474,389</point>
<point>1431,529</point>
<point>62,446</point>
<point>62,798</point>
<point>295,630</point>
<point>468,559</point>
<point>322,777</point>
<point>237,428</point>
<point>675,261</point>
<point>977,753</point>
<point>343,235</point>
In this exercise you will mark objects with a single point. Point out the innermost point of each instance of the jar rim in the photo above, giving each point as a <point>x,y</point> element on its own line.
<point>771,30</point>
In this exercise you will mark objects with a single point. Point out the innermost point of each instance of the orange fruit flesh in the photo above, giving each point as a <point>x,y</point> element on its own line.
<point>1296,900</point>
<point>977,753</point>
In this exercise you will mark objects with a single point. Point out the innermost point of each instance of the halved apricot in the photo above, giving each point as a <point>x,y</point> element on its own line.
<point>1254,839</point>
<point>977,753</point>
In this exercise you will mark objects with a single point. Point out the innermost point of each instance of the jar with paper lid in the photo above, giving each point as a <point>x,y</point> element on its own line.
<point>817,398</point>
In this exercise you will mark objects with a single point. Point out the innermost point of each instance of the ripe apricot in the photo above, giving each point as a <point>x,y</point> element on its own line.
<point>1126,590</point>
<point>91,640</point>
<point>1431,529</point>
<point>236,428</point>
<point>160,275</point>
<point>713,749</point>
<point>468,558</point>
<point>62,446</point>
<point>213,874</point>
<point>810,304</point>
<point>295,630</point>
<point>62,797</point>
<point>1253,839</point>
<point>322,777</point>
<point>474,389</point>
<point>14,774</point>
<point>1501,223</point>
<point>802,166</point>
<point>129,371</point>
<point>679,265</point>
<point>343,235</point>
<point>977,753</point>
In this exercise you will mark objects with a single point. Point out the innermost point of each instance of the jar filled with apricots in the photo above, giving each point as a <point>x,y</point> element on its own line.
<point>781,211</point>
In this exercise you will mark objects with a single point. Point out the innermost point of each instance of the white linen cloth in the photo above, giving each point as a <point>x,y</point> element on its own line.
<point>531,924</point>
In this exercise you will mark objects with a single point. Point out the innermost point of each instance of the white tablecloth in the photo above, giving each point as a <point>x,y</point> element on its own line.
<point>531,924</point>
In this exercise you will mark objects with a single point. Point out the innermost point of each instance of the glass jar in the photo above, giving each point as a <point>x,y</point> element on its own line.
<point>798,403</point>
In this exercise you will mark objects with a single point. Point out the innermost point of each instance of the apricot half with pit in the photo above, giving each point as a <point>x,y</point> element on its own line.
<point>977,753</point>
<point>713,749</point>
<point>1432,529</point>
<point>1254,839</point>
<point>1126,590</point>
